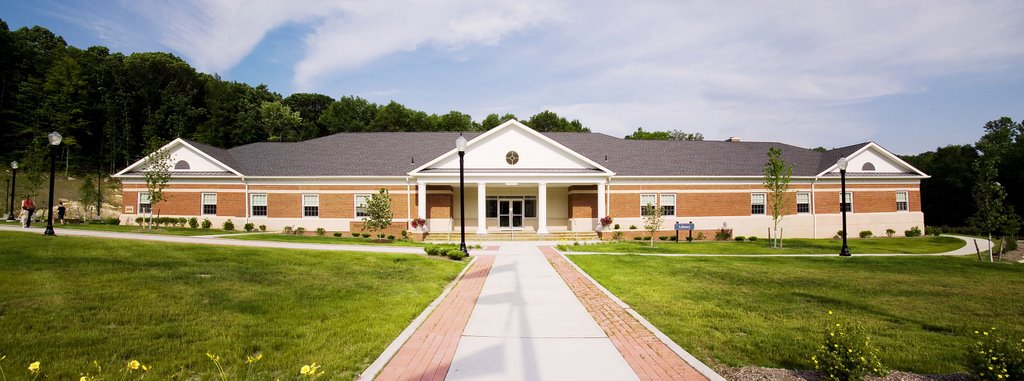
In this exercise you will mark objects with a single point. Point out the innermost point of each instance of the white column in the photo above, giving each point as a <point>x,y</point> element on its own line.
<point>542,208</point>
<point>421,199</point>
<point>481,208</point>
<point>600,201</point>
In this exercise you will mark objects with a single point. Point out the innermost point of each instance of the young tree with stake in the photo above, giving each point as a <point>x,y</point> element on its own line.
<point>777,176</point>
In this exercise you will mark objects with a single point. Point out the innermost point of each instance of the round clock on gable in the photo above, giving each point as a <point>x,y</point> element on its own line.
<point>512,157</point>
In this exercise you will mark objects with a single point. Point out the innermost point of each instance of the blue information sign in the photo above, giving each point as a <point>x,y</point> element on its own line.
<point>682,226</point>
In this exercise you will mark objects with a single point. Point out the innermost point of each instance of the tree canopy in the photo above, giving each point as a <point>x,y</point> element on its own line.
<point>640,134</point>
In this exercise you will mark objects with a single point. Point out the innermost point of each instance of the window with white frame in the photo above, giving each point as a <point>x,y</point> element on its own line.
<point>757,203</point>
<point>648,200</point>
<point>668,204</point>
<point>311,205</point>
<point>209,203</point>
<point>258,203</point>
<point>847,204</point>
<point>901,202</point>
<point>803,202</point>
<point>144,203</point>
<point>360,205</point>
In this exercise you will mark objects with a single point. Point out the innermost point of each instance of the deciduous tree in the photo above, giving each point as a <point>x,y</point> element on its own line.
<point>777,175</point>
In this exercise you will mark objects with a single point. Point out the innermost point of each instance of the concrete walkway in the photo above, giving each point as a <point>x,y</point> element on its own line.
<point>208,240</point>
<point>967,249</point>
<point>528,325</point>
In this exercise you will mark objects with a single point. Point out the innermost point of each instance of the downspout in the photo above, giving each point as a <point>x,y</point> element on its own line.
<point>814,211</point>
<point>247,208</point>
<point>408,203</point>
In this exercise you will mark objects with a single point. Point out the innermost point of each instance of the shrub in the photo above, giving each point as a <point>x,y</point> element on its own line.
<point>700,236</point>
<point>405,235</point>
<point>300,230</point>
<point>913,232</point>
<point>575,243</point>
<point>337,234</point>
<point>663,238</point>
<point>193,222</point>
<point>365,235</point>
<point>840,234</point>
<point>889,233</point>
<point>723,234</point>
<point>263,228</point>
<point>1011,243</point>
<point>689,239</point>
<point>287,230</point>
<point>355,235</point>
<point>182,221</point>
<point>111,221</point>
<point>994,357</point>
<point>846,353</point>
<point>632,227</point>
<point>391,237</point>
<point>320,232</point>
<point>455,254</point>
<point>932,230</point>
<point>138,220</point>
<point>865,234</point>
<point>429,249</point>
<point>740,238</point>
<point>637,238</point>
<point>617,227</point>
<point>752,238</point>
<point>617,236</point>
<point>228,225</point>
<point>206,223</point>
<point>248,226</point>
<point>167,221</point>
<point>673,238</point>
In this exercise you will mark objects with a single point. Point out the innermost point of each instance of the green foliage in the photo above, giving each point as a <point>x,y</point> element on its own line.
<point>865,233</point>
<point>723,234</point>
<point>378,210</point>
<point>391,237</point>
<point>455,254</point>
<point>157,174</point>
<point>616,227</point>
<point>249,226</point>
<point>890,232</point>
<point>547,121</point>
<point>752,238</point>
<point>913,232</point>
<point>632,227</point>
<point>263,228</point>
<point>206,223</point>
<point>193,222</point>
<point>288,230</point>
<point>617,236</point>
<point>640,134</point>
<point>689,239</point>
<point>740,238</point>
<point>320,232</point>
<point>182,221</point>
<point>337,234</point>
<point>777,176</point>
<point>654,217</point>
<point>637,238</point>
<point>300,230</point>
<point>280,123</point>
<point>228,225</point>
<point>355,234</point>
<point>493,120</point>
<point>846,353</point>
<point>995,357</point>
<point>365,235</point>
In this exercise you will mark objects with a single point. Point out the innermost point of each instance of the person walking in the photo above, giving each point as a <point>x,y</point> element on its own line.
<point>61,211</point>
<point>28,208</point>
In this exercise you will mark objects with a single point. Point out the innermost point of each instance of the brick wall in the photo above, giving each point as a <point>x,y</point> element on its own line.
<point>284,205</point>
<point>395,229</point>
<point>180,204</point>
<point>712,204</point>
<point>583,205</point>
<point>439,206</point>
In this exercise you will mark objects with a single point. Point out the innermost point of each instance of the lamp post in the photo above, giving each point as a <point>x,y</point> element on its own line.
<point>460,144</point>
<point>54,138</point>
<point>842,163</point>
<point>14,178</point>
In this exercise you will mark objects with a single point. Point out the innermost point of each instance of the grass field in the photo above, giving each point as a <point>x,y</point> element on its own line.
<point>918,245</point>
<point>921,312</point>
<point>139,229</point>
<point>319,239</point>
<point>66,301</point>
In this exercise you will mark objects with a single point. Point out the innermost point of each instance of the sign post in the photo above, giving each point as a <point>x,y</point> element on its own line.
<point>681,226</point>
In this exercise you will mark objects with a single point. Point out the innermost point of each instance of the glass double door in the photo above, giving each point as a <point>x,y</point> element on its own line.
<point>510,214</point>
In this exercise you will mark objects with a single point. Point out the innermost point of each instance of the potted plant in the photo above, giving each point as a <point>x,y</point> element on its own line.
<point>419,223</point>
<point>605,222</point>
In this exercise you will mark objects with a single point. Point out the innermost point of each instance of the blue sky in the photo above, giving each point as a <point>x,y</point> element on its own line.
<point>910,75</point>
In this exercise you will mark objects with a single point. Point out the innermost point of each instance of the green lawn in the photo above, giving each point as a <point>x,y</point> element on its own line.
<point>139,229</point>
<point>921,312</point>
<point>66,301</point>
<point>329,239</point>
<point>918,245</point>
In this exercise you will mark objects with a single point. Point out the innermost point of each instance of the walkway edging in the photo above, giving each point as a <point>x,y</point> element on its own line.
<point>399,341</point>
<point>682,353</point>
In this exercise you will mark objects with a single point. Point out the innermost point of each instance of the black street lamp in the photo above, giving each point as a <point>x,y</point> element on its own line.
<point>460,144</point>
<point>54,138</point>
<point>843,205</point>
<point>14,178</point>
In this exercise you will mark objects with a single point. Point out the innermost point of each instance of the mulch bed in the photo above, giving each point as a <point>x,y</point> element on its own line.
<point>753,373</point>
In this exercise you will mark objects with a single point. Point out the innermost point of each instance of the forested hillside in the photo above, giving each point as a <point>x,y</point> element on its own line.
<point>112,108</point>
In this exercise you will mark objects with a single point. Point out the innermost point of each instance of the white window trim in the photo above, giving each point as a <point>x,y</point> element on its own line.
<point>253,205</point>
<point>841,203</point>
<point>907,193</point>
<point>808,202</point>
<point>202,203</point>
<point>138,204</point>
<point>302,205</point>
<point>765,204</point>
<point>355,204</point>
<point>675,203</point>
<point>643,205</point>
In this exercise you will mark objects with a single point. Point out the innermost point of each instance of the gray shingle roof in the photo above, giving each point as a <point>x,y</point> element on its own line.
<point>397,153</point>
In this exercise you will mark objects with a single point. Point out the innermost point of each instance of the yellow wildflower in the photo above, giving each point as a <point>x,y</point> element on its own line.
<point>249,359</point>
<point>133,365</point>
<point>309,370</point>
<point>212,356</point>
<point>829,312</point>
<point>146,368</point>
<point>33,367</point>
<point>84,378</point>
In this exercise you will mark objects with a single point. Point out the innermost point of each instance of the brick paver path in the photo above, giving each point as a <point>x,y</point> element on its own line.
<point>428,354</point>
<point>649,357</point>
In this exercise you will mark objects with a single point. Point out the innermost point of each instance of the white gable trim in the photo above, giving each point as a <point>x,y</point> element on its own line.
<point>168,146</point>
<point>884,152</point>
<point>507,125</point>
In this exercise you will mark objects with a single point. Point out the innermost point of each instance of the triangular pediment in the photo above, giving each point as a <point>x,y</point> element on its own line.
<point>185,160</point>
<point>873,160</point>
<point>513,146</point>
